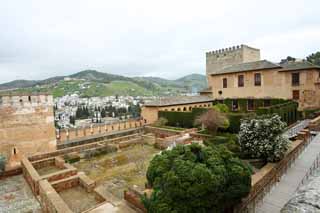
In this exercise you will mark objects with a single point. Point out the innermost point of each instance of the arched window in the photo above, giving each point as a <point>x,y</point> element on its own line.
<point>172,109</point>
<point>190,108</point>
<point>179,109</point>
<point>184,108</point>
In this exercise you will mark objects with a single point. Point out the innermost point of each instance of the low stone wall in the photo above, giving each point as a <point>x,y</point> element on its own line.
<point>50,200</point>
<point>270,174</point>
<point>98,138</point>
<point>32,176</point>
<point>133,198</point>
<point>70,134</point>
<point>161,132</point>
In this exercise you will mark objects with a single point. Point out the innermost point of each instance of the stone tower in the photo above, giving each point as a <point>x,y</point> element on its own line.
<point>218,59</point>
<point>26,126</point>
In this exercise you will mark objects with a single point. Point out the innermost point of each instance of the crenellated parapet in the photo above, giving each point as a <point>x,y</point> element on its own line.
<point>216,60</point>
<point>25,100</point>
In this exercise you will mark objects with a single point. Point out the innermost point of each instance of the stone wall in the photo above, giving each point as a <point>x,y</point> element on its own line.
<point>96,130</point>
<point>50,200</point>
<point>26,126</point>
<point>218,59</point>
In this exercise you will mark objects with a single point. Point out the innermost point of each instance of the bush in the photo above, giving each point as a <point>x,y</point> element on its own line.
<point>189,178</point>
<point>235,121</point>
<point>262,138</point>
<point>221,108</point>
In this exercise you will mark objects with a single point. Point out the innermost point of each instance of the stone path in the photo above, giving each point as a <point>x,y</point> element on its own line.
<point>281,193</point>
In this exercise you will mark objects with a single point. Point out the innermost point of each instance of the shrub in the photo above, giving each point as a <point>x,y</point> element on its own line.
<point>189,178</point>
<point>262,138</point>
<point>221,108</point>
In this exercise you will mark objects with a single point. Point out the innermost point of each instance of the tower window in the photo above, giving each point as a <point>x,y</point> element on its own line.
<point>257,79</point>
<point>224,82</point>
<point>240,80</point>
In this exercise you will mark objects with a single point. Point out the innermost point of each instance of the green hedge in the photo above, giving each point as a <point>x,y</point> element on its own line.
<point>186,119</point>
<point>242,102</point>
<point>178,119</point>
<point>287,111</point>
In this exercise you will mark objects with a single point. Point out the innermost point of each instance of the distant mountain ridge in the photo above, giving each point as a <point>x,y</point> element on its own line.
<point>109,82</point>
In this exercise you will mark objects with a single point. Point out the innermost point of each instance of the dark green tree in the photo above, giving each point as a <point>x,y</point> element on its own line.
<point>194,178</point>
<point>314,58</point>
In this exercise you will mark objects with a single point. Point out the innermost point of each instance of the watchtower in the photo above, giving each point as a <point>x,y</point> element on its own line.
<point>218,59</point>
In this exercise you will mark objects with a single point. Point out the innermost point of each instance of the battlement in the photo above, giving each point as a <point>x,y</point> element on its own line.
<point>25,99</point>
<point>218,59</point>
<point>229,49</point>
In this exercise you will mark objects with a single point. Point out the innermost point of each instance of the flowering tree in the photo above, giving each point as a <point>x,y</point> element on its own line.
<point>262,137</point>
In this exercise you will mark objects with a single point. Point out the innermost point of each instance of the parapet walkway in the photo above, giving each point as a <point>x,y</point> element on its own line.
<point>282,192</point>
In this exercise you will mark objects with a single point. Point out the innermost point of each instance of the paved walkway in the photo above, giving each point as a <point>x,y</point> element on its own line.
<point>281,193</point>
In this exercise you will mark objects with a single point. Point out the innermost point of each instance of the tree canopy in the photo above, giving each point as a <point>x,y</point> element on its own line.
<point>196,179</point>
<point>314,58</point>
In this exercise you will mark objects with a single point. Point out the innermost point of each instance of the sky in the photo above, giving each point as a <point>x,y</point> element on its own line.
<point>167,38</point>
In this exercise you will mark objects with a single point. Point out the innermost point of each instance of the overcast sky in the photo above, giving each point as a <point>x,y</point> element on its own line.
<point>165,38</point>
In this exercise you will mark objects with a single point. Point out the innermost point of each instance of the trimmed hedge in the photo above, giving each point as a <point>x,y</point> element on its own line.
<point>178,119</point>
<point>242,103</point>
<point>287,111</point>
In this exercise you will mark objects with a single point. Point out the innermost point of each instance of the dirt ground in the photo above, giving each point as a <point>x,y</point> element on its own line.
<point>120,170</point>
<point>78,199</point>
<point>16,196</point>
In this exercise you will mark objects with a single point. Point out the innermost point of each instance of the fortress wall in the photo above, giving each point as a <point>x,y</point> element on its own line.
<point>26,125</point>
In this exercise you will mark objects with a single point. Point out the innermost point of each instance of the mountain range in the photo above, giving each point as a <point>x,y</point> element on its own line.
<point>90,83</point>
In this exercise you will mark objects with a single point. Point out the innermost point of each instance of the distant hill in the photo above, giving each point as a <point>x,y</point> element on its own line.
<point>94,83</point>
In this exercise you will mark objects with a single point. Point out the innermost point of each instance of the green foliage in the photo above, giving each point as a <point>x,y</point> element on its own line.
<point>286,110</point>
<point>262,137</point>
<point>178,119</point>
<point>235,121</point>
<point>310,113</point>
<point>221,108</point>
<point>195,178</point>
<point>2,163</point>
<point>230,141</point>
<point>314,58</point>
